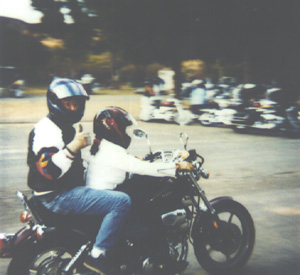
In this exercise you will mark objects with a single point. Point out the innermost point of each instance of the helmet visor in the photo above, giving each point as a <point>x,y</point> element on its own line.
<point>67,88</point>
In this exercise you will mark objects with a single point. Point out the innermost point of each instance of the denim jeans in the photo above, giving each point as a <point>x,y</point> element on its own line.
<point>114,206</point>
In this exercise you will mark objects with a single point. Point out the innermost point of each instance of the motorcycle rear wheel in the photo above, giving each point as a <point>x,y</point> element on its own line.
<point>226,249</point>
<point>44,259</point>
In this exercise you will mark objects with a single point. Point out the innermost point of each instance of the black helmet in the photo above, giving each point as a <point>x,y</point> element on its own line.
<point>111,123</point>
<point>64,88</point>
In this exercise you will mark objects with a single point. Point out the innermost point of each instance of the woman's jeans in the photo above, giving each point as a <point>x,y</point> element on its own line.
<point>114,206</point>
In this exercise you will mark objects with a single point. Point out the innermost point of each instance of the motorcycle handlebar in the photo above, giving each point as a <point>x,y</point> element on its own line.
<point>198,171</point>
<point>151,157</point>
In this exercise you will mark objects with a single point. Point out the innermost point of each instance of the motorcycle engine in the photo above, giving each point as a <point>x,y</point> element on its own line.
<point>176,220</point>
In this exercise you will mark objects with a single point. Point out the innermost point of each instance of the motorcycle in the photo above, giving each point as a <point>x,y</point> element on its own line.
<point>218,115</point>
<point>153,108</point>
<point>267,115</point>
<point>221,230</point>
<point>17,89</point>
<point>230,104</point>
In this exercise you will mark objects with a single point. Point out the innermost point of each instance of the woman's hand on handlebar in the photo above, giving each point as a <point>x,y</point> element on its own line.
<point>184,166</point>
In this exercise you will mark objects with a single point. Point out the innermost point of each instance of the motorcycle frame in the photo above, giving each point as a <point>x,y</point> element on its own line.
<point>203,216</point>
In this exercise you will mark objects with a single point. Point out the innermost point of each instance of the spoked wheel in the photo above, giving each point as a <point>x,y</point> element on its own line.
<point>226,247</point>
<point>45,260</point>
<point>50,262</point>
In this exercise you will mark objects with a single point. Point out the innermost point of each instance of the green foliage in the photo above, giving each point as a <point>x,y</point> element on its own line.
<point>250,39</point>
<point>17,48</point>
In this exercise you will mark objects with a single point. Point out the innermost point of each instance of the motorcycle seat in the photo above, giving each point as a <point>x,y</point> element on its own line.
<point>84,223</point>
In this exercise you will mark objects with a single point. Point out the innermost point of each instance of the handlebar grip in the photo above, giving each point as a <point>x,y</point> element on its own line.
<point>149,157</point>
<point>204,173</point>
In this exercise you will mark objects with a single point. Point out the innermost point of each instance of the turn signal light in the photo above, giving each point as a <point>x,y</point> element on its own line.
<point>25,217</point>
<point>216,225</point>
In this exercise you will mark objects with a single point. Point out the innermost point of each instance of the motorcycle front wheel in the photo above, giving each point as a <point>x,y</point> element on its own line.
<point>225,248</point>
<point>183,118</point>
<point>45,259</point>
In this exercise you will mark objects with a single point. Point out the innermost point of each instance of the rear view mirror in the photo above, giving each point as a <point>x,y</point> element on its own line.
<point>138,133</point>
<point>184,139</point>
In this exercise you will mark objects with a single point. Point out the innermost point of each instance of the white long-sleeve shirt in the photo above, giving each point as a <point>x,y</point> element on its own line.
<point>108,167</point>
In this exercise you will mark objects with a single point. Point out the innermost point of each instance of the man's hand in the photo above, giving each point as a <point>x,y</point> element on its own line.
<point>184,165</point>
<point>81,140</point>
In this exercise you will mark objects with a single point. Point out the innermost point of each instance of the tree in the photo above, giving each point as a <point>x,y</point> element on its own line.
<point>53,18</point>
<point>17,48</point>
<point>71,21</point>
<point>258,38</point>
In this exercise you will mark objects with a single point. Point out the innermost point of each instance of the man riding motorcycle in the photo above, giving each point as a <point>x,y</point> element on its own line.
<point>56,172</point>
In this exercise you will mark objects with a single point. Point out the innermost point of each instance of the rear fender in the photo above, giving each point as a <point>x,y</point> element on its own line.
<point>6,244</point>
<point>28,238</point>
<point>204,218</point>
<point>10,243</point>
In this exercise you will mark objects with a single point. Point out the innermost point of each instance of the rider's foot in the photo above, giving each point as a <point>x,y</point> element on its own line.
<point>100,265</point>
<point>172,267</point>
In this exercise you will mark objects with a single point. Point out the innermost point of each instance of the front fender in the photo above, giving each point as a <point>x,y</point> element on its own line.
<point>218,199</point>
<point>204,218</point>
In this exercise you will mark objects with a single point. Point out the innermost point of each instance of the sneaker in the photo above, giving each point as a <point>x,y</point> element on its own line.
<point>172,267</point>
<point>99,265</point>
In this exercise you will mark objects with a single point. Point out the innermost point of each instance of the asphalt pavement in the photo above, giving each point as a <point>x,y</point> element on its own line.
<point>261,172</point>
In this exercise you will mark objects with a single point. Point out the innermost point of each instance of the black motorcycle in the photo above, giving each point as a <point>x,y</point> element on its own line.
<point>221,230</point>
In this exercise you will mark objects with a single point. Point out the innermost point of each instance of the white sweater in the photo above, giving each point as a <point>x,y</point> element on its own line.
<point>108,167</point>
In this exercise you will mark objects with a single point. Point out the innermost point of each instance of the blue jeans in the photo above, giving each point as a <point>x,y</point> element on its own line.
<point>114,206</point>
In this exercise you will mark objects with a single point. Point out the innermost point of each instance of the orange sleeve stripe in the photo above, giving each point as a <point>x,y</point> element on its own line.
<point>42,163</point>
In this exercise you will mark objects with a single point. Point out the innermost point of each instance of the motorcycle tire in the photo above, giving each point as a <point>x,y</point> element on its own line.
<point>226,249</point>
<point>206,119</point>
<point>46,257</point>
<point>240,129</point>
<point>183,118</point>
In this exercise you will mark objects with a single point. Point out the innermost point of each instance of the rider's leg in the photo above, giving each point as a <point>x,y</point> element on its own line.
<point>113,206</point>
